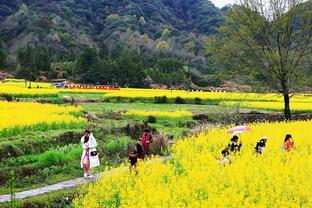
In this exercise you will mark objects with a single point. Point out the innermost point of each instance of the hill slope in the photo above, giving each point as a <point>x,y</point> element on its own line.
<point>71,24</point>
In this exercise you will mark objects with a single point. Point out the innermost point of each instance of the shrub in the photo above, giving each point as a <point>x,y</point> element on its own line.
<point>179,100</point>
<point>53,170</point>
<point>151,119</point>
<point>118,99</point>
<point>187,124</point>
<point>160,145</point>
<point>198,101</point>
<point>7,97</point>
<point>112,147</point>
<point>124,143</point>
<point>160,100</point>
<point>52,157</point>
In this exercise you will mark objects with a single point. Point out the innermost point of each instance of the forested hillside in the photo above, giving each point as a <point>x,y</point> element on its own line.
<point>103,41</point>
<point>72,24</point>
<point>61,30</point>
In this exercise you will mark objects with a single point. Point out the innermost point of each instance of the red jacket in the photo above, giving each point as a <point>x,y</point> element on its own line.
<point>288,145</point>
<point>147,138</point>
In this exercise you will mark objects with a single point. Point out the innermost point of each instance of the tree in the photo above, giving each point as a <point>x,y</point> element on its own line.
<point>163,46</point>
<point>104,51</point>
<point>130,70</point>
<point>271,39</point>
<point>3,55</point>
<point>168,64</point>
<point>101,73</point>
<point>27,67</point>
<point>87,58</point>
<point>42,59</point>
<point>169,71</point>
<point>165,33</point>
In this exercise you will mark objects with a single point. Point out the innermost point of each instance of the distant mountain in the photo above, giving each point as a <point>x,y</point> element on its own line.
<point>72,24</point>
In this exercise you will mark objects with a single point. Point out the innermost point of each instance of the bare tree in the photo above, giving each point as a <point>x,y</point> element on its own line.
<point>270,37</point>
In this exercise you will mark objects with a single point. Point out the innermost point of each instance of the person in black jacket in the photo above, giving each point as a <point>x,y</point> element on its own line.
<point>261,145</point>
<point>233,145</point>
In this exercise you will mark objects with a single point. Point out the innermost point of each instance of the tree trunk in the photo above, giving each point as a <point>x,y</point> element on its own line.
<point>287,112</point>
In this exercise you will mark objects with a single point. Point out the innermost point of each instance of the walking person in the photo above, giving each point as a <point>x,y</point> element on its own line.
<point>261,145</point>
<point>89,158</point>
<point>234,146</point>
<point>147,139</point>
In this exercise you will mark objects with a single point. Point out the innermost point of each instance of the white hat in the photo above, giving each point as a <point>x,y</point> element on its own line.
<point>265,137</point>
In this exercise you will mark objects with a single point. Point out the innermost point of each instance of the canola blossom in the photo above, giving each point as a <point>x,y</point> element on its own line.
<point>17,90</point>
<point>18,87</point>
<point>150,93</point>
<point>193,177</point>
<point>276,106</point>
<point>24,114</point>
<point>232,96</point>
<point>173,114</point>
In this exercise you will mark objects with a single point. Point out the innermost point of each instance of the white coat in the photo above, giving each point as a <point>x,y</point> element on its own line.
<point>91,144</point>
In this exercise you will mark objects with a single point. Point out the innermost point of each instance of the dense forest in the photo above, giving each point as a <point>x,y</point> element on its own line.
<point>128,42</point>
<point>161,39</point>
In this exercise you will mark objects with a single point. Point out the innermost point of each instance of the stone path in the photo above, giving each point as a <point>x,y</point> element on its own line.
<point>61,186</point>
<point>55,187</point>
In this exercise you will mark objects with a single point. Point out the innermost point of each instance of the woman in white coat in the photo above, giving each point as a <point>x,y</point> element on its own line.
<point>89,158</point>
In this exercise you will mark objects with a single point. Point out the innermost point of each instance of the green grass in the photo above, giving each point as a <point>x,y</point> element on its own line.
<point>99,107</point>
<point>48,200</point>
<point>91,95</point>
<point>40,127</point>
<point>52,166</point>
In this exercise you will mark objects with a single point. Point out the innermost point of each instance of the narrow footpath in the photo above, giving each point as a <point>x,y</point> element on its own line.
<point>62,185</point>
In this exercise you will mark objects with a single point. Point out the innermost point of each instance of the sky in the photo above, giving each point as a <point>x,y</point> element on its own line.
<point>222,3</point>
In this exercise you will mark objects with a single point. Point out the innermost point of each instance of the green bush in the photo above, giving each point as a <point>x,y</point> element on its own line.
<point>198,101</point>
<point>151,119</point>
<point>54,100</point>
<point>187,123</point>
<point>160,100</point>
<point>112,147</point>
<point>124,143</point>
<point>53,170</point>
<point>56,199</point>
<point>179,100</point>
<point>7,97</point>
<point>52,157</point>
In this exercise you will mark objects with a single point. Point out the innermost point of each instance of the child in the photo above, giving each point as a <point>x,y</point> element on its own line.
<point>288,143</point>
<point>226,157</point>
<point>261,145</point>
<point>139,151</point>
<point>147,139</point>
<point>133,158</point>
<point>135,154</point>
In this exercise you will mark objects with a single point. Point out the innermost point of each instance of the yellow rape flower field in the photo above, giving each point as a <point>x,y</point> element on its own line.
<point>17,87</point>
<point>269,101</point>
<point>276,106</point>
<point>24,114</point>
<point>172,114</point>
<point>192,177</point>
<point>150,93</point>
<point>266,101</point>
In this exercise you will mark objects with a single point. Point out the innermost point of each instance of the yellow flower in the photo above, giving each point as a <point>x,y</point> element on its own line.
<point>23,114</point>
<point>193,177</point>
